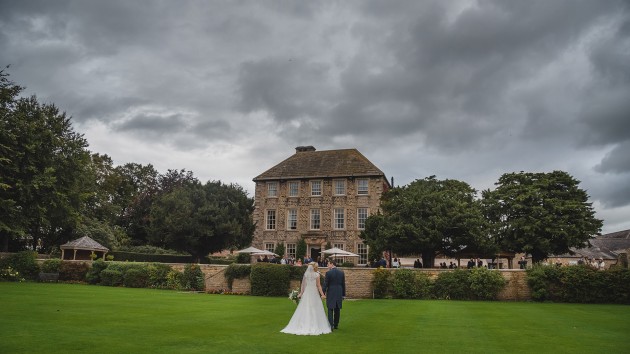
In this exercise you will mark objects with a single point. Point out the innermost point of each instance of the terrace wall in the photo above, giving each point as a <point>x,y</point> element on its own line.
<point>359,281</point>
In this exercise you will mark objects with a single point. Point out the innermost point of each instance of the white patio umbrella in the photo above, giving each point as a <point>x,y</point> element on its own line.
<point>339,252</point>
<point>263,253</point>
<point>249,250</point>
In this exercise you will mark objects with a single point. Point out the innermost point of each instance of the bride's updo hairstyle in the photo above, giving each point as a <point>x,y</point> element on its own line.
<point>315,267</point>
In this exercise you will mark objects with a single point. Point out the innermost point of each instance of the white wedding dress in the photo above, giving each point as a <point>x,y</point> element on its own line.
<point>309,317</point>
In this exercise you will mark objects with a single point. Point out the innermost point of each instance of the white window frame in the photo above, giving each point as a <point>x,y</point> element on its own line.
<point>363,251</point>
<point>318,213</point>
<point>294,192</point>
<point>361,188</point>
<point>316,192</point>
<point>270,246</point>
<point>339,218</point>
<point>292,219</point>
<point>291,249</point>
<point>362,215</point>
<point>339,187</point>
<point>341,246</point>
<point>270,219</point>
<point>272,189</point>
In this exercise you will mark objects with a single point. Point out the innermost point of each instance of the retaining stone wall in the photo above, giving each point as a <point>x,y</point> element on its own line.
<point>359,281</point>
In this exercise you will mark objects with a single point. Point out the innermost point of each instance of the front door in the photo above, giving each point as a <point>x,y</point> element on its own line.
<point>315,252</point>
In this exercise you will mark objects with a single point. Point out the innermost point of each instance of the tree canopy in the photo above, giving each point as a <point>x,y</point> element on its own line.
<point>42,166</point>
<point>540,213</point>
<point>201,219</point>
<point>428,216</point>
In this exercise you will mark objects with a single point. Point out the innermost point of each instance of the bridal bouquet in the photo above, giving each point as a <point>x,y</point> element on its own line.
<point>293,296</point>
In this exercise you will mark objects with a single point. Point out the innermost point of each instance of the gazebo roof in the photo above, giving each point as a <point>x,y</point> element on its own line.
<point>84,243</point>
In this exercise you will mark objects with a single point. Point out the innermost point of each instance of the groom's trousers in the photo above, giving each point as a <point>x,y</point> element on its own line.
<point>333,317</point>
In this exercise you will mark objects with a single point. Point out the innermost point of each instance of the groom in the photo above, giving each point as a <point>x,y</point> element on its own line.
<point>335,290</point>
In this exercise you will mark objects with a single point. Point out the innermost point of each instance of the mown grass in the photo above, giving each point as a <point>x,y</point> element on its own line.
<point>67,318</point>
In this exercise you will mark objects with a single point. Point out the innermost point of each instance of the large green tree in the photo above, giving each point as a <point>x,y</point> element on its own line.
<point>540,213</point>
<point>43,163</point>
<point>201,219</point>
<point>428,216</point>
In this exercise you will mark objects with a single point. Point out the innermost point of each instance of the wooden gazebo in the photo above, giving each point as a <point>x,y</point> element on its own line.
<point>82,248</point>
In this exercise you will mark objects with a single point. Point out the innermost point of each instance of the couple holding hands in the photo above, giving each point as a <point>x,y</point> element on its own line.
<point>309,317</point>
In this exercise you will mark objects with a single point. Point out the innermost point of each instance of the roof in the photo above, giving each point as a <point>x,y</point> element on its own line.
<point>308,163</point>
<point>84,243</point>
<point>606,246</point>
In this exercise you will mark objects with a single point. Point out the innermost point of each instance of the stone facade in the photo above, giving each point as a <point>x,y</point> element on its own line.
<point>281,202</point>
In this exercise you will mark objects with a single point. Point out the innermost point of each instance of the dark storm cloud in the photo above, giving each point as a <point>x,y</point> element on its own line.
<point>289,88</point>
<point>152,124</point>
<point>462,89</point>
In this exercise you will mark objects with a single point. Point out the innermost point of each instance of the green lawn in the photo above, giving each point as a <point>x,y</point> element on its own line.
<point>65,318</point>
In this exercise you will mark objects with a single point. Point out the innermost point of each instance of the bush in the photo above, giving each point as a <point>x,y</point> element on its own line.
<point>174,279</point>
<point>136,277</point>
<point>381,283</point>
<point>111,277</point>
<point>236,271</point>
<point>424,286</point>
<point>486,284</point>
<point>93,276</point>
<point>19,266</point>
<point>51,266</point>
<point>243,258</point>
<point>193,278</point>
<point>453,285</point>
<point>581,284</point>
<point>158,275</point>
<point>270,279</point>
<point>73,271</point>
<point>408,284</point>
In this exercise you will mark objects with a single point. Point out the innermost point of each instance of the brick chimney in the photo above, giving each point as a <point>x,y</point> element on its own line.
<point>304,149</point>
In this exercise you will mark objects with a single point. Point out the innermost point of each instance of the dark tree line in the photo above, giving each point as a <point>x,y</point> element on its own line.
<point>53,189</point>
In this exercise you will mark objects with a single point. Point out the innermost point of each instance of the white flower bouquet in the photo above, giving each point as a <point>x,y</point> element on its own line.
<point>293,296</point>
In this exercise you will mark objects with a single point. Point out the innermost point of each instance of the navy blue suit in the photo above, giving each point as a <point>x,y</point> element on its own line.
<point>335,290</point>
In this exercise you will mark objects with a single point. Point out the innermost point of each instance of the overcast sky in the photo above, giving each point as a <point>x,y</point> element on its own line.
<point>465,90</point>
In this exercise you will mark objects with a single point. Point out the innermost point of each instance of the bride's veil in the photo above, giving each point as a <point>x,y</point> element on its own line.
<point>309,271</point>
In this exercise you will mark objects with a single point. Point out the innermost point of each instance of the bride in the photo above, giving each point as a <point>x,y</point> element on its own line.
<point>309,317</point>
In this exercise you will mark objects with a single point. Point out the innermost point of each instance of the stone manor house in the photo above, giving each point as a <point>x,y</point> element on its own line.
<point>323,197</point>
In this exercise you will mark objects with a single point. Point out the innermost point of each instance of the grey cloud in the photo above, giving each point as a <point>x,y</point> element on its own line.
<point>617,161</point>
<point>289,88</point>
<point>152,124</point>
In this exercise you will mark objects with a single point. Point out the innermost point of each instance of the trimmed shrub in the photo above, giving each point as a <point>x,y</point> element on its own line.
<point>485,284</point>
<point>269,279</point>
<point>136,277</point>
<point>236,271</point>
<point>111,277</point>
<point>409,284</point>
<point>453,285</point>
<point>424,286</point>
<point>579,284</point>
<point>73,271</point>
<point>193,278</point>
<point>93,276</point>
<point>243,258</point>
<point>19,266</point>
<point>51,265</point>
<point>158,275</point>
<point>174,279</point>
<point>404,284</point>
<point>381,283</point>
